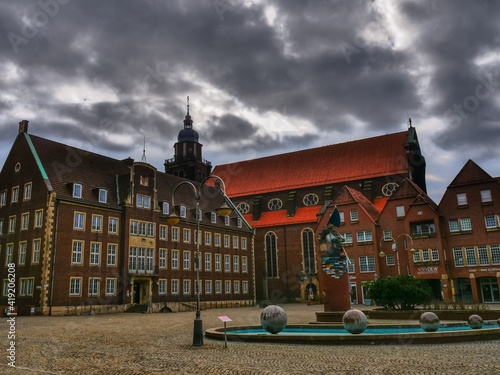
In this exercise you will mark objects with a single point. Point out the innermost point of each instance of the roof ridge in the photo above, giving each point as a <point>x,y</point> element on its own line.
<point>313,148</point>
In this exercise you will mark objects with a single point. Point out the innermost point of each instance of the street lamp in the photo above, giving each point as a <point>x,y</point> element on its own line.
<point>173,219</point>
<point>395,247</point>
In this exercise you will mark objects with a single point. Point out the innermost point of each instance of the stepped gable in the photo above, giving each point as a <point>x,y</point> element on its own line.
<point>356,160</point>
<point>65,165</point>
<point>471,173</point>
<point>349,196</point>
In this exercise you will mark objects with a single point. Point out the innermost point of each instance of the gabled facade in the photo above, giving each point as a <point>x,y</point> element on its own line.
<point>470,210</point>
<point>358,218</point>
<point>86,230</point>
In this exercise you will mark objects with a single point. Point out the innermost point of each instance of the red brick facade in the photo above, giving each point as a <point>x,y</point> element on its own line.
<point>103,238</point>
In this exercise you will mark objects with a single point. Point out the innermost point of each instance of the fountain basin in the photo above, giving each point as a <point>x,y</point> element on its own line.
<point>374,334</point>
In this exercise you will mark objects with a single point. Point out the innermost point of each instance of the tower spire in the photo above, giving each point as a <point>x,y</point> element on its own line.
<point>143,159</point>
<point>188,105</point>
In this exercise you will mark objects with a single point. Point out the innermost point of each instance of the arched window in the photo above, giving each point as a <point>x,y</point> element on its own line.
<point>308,251</point>
<point>271,255</point>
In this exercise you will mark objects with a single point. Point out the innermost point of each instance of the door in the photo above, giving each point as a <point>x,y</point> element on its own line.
<point>489,290</point>
<point>137,292</point>
<point>354,294</point>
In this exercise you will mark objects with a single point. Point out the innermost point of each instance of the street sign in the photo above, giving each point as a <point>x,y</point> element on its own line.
<point>224,318</point>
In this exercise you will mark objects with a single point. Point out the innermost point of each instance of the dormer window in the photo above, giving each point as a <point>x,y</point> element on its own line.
<point>240,223</point>
<point>77,191</point>
<point>183,211</point>
<point>226,220</point>
<point>166,208</point>
<point>103,196</point>
<point>213,217</point>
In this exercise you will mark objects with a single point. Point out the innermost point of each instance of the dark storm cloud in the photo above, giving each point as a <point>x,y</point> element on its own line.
<point>318,64</point>
<point>230,128</point>
<point>453,36</point>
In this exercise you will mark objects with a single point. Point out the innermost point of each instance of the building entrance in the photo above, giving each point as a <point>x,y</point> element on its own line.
<point>137,292</point>
<point>489,290</point>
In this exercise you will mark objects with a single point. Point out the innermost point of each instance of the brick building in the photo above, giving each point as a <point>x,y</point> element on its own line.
<point>83,229</point>
<point>280,196</point>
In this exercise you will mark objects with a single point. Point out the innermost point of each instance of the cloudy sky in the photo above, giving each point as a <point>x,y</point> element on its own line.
<point>264,77</point>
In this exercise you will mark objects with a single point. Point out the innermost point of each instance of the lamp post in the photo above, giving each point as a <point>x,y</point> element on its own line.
<point>395,248</point>
<point>173,219</point>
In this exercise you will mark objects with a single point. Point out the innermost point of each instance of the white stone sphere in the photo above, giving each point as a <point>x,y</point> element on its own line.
<point>354,321</point>
<point>429,322</point>
<point>273,319</point>
<point>475,322</point>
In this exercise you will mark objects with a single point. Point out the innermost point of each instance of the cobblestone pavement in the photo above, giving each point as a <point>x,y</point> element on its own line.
<point>161,344</point>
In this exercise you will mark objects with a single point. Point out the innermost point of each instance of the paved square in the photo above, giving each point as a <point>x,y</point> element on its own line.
<point>161,344</point>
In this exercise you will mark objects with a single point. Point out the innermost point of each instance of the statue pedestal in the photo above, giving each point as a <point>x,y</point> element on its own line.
<point>338,292</point>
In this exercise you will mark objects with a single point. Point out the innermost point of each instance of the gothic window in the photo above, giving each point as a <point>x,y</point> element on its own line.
<point>243,207</point>
<point>311,200</point>
<point>271,255</point>
<point>275,204</point>
<point>308,251</point>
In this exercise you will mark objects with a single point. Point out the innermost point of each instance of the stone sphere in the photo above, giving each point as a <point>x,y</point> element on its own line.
<point>475,322</point>
<point>354,321</point>
<point>273,319</point>
<point>429,322</point>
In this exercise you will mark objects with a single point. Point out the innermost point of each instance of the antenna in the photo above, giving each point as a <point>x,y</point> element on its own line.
<point>143,159</point>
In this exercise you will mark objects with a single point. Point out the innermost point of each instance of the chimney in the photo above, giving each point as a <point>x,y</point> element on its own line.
<point>23,126</point>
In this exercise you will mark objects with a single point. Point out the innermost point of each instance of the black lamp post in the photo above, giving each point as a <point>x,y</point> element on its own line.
<point>173,219</point>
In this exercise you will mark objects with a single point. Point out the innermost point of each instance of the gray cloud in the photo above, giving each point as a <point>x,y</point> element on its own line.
<point>142,58</point>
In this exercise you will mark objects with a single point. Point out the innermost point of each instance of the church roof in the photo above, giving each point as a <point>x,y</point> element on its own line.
<point>356,160</point>
<point>275,218</point>
<point>471,173</point>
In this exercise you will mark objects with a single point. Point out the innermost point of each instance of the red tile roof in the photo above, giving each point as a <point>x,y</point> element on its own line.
<point>275,218</point>
<point>380,203</point>
<point>365,158</point>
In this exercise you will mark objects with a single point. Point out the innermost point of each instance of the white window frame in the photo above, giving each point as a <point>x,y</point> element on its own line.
<point>166,208</point>
<point>77,190</point>
<point>103,196</point>
<point>354,215</point>
<point>400,211</point>
<point>486,196</point>
<point>462,199</point>
<point>389,260</point>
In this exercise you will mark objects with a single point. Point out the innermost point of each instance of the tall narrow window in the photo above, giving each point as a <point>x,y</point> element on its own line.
<point>77,190</point>
<point>38,218</point>
<point>103,196</point>
<point>27,191</point>
<point>271,255</point>
<point>76,256</point>
<point>15,194</point>
<point>112,255</point>
<point>36,252</point>
<point>95,253</point>
<point>22,253</point>
<point>308,251</point>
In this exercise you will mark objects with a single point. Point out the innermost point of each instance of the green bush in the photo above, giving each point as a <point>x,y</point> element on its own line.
<point>401,293</point>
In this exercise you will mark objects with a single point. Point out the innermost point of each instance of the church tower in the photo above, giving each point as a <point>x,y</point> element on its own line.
<point>187,161</point>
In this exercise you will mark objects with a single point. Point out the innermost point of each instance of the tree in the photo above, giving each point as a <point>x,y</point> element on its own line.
<point>401,293</point>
